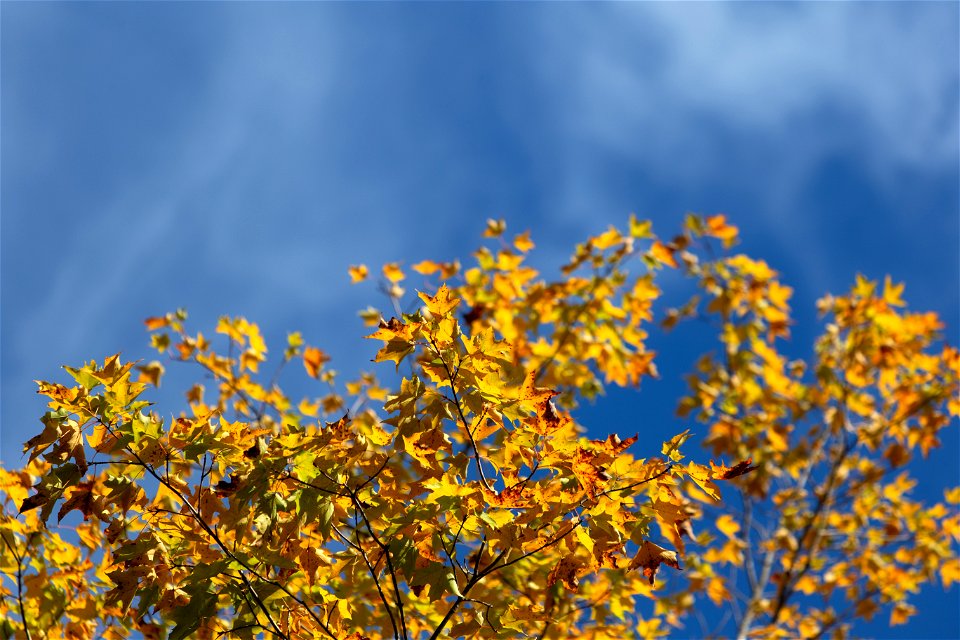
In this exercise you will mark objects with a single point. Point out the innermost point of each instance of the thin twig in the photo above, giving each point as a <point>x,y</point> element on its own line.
<point>19,559</point>
<point>386,551</point>
<point>463,419</point>
<point>376,582</point>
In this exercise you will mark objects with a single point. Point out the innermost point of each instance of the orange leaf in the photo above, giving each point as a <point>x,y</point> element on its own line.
<point>523,243</point>
<point>358,273</point>
<point>313,360</point>
<point>156,322</point>
<point>718,228</point>
<point>663,253</point>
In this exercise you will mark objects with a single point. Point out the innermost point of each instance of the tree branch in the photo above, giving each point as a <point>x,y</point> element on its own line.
<point>463,419</point>
<point>19,559</point>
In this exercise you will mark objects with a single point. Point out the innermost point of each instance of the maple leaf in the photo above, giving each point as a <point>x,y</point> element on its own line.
<point>151,372</point>
<point>495,228</point>
<point>254,512</point>
<point>718,227</point>
<point>157,322</point>
<point>592,476</point>
<point>358,273</point>
<point>393,273</point>
<point>523,243</point>
<point>81,498</point>
<point>313,360</point>
<point>663,254</point>
<point>36,500</point>
<point>613,445</point>
<point>442,303</point>
<point>566,571</point>
<point>650,556</point>
<point>722,472</point>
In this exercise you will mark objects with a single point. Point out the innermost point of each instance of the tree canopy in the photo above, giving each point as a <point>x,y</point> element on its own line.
<point>455,495</point>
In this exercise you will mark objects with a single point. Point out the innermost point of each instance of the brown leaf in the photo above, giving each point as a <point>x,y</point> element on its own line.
<point>475,313</point>
<point>566,571</point>
<point>590,473</point>
<point>651,556</point>
<point>37,500</point>
<point>81,499</point>
<point>614,445</point>
<point>726,473</point>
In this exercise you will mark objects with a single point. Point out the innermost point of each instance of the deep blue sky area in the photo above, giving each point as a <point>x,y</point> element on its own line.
<point>235,158</point>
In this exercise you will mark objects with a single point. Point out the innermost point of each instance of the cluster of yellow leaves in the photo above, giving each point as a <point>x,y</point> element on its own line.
<point>464,499</point>
<point>832,439</point>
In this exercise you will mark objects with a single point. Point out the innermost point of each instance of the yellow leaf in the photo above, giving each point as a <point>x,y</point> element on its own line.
<point>702,476</point>
<point>156,323</point>
<point>609,238</point>
<point>523,243</point>
<point>441,304</point>
<point>640,228</point>
<point>426,267</point>
<point>392,272</point>
<point>950,572</point>
<point>717,227</point>
<point>308,408</point>
<point>892,293</point>
<point>901,613</point>
<point>671,448</point>
<point>662,254</point>
<point>727,525</point>
<point>495,228</point>
<point>358,273</point>
<point>151,373</point>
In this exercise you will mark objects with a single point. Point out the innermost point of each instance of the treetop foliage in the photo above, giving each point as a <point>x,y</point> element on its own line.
<point>462,499</point>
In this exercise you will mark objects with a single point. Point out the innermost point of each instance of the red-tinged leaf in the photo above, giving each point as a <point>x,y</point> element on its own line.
<point>474,313</point>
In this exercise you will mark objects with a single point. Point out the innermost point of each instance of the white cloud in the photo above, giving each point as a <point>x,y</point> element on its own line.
<point>682,92</point>
<point>763,67</point>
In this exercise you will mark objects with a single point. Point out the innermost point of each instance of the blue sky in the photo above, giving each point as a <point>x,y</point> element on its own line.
<point>235,158</point>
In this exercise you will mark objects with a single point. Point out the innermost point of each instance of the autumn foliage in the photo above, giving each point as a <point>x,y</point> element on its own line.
<point>456,496</point>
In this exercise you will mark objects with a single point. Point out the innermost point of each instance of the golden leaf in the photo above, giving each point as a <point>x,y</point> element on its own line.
<point>358,273</point>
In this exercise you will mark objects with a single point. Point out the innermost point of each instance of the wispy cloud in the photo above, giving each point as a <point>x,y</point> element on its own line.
<point>308,137</point>
<point>750,99</point>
